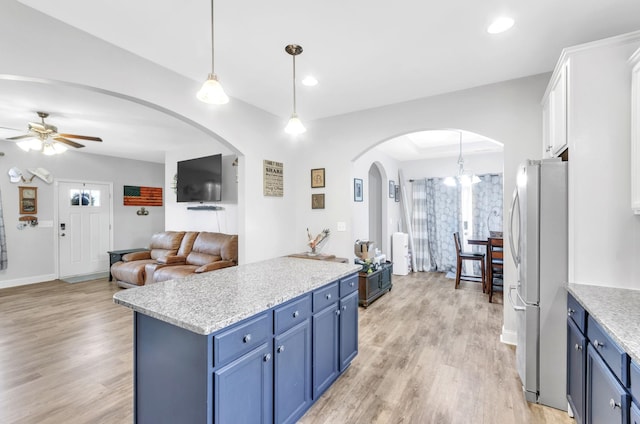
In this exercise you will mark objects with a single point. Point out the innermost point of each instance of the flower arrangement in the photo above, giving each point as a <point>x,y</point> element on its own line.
<point>314,242</point>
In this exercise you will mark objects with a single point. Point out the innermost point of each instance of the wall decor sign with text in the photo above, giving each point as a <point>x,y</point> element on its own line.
<point>357,190</point>
<point>317,178</point>
<point>273,179</point>
<point>142,196</point>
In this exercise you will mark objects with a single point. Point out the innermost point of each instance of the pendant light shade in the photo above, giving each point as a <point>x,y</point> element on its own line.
<point>211,91</point>
<point>295,126</point>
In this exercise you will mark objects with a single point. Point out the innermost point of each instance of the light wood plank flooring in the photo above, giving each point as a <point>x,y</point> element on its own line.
<point>428,354</point>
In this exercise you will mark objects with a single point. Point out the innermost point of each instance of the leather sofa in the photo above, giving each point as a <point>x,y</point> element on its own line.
<point>176,248</point>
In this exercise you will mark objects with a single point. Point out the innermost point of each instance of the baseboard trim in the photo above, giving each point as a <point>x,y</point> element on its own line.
<point>26,281</point>
<point>509,337</point>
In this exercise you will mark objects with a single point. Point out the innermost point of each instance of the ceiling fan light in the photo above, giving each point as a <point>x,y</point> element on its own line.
<point>24,145</point>
<point>59,148</point>
<point>212,92</point>
<point>48,150</point>
<point>295,126</point>
<point>36,144</point>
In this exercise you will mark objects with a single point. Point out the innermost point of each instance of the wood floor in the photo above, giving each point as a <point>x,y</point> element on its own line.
<point>428,354</point>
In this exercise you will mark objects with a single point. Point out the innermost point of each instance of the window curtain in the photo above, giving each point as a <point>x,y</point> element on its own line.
<point>487,204</point>
<point>3,240</point>
<point>443,219</point>
<point>486,201</point>
<point>419,223</point>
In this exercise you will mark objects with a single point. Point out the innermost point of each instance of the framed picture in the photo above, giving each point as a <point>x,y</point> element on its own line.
<point>317,178</point>
<point>357,190</point>
<point>28,200</point>
<point>392,189</point>
<point>317,201</point>
<point>397,193</point>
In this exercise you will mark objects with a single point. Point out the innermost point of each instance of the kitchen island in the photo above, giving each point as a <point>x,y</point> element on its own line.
<point>253,343</point>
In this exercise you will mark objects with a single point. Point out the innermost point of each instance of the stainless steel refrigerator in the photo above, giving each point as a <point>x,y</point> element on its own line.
<point>538,240</point>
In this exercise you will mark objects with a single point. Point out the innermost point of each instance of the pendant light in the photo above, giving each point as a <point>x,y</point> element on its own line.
<point>463,178</point>
<point>212,91</point>
<point>294,126</point>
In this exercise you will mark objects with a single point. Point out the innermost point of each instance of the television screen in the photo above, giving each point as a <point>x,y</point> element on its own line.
<point>200,179</point>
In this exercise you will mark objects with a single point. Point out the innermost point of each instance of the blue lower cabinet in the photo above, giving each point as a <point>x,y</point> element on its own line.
<point>243,389</point>
<point>325,348</point>
<point>348,329</point>
<point>607,400</point>
<point>292,373</point>
<point>635,414</point>
<point>576,371</point>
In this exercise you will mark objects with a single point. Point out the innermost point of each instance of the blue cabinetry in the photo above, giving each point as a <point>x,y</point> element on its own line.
<point>576,370</point>
<point>267,368</point>
<point>243,389</point>
<point>607,399</point>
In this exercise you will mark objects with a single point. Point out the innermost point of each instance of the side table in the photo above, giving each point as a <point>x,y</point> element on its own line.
<point>116,255</point>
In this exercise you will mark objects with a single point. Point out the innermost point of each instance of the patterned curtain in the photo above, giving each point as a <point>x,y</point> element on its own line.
<point>3,240</point>
<point>419,223</point>
<point>487,204</point>
<point>443,219</point>
<point>487,209</point>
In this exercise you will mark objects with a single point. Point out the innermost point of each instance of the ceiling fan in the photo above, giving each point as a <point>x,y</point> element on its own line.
<point>46,138</point>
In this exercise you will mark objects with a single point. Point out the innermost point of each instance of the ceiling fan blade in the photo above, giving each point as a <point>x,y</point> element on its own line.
<point>68,142</point>
<point>81,137</point>
<point>20,137</point>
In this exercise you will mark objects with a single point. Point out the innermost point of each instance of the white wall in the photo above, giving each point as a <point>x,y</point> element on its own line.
<point>508,112</point>
<point>31,250</point>
<point>604,235</point>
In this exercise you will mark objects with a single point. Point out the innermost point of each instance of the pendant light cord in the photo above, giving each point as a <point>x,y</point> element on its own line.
<point>294,84</point>
<point>212,60</point>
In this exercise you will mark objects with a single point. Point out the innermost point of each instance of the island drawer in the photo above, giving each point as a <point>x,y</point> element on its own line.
<point>634,381</point>
<point>348,285</point>
<point>241,338</point>
<point>325,296</point>
<point>292,313</point>
<point>613,355</point>
<point>576,312</point>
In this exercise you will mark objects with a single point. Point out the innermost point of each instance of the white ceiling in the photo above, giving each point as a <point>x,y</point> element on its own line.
<point>364,53</point>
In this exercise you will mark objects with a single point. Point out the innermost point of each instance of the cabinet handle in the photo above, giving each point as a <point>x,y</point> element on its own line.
<point>577,347</point>
<point>351,284</point>
<point>337,311</point>
<point>329,296</point>
<point>570,312</point>
<point>613,404</point>
<point>295,314</point>
<point>344,307</point>
<point>280,349</point>
<point>246,338</point>
<point>267,357</point>
<point>598,344</point>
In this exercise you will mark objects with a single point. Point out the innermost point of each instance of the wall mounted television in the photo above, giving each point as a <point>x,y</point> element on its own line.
<point>200,179</point>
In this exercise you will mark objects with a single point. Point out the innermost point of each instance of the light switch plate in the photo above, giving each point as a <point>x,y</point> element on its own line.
<point>342,226</point>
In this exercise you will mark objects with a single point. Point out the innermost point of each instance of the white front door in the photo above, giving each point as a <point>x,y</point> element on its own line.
<point>84,232</point>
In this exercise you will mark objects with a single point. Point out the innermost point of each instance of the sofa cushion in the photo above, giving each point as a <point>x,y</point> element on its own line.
<point>165,243</point>
<point>212,247</point>
<point>130,272</point>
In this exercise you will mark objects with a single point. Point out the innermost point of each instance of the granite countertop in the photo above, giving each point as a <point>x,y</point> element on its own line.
<point>204,303</point>
<point>617,310</point>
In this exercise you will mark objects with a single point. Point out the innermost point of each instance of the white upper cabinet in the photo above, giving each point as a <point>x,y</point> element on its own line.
<point>555,112</point>
<point>635,132</point>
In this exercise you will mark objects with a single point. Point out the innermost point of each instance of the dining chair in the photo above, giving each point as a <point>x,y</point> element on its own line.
<point>495,273</point>
<point>468,256</point>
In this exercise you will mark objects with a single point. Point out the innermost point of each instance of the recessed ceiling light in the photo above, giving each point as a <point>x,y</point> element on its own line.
<point>499,25</point>
<point>309,81</point>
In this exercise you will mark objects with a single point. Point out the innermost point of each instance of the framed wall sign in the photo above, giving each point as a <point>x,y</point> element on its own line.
<point>357,190</point>
<point>317,201</point>
<point>392,189</point>
<point>28,200</point>
<point>397,193</point>
<point>317,178</point>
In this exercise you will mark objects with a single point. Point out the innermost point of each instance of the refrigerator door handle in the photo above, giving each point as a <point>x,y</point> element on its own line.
<point>515,201</point>
<point>513,304</point>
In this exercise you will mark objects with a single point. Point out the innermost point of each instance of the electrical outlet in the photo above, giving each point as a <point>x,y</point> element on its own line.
<point>342,226</point>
